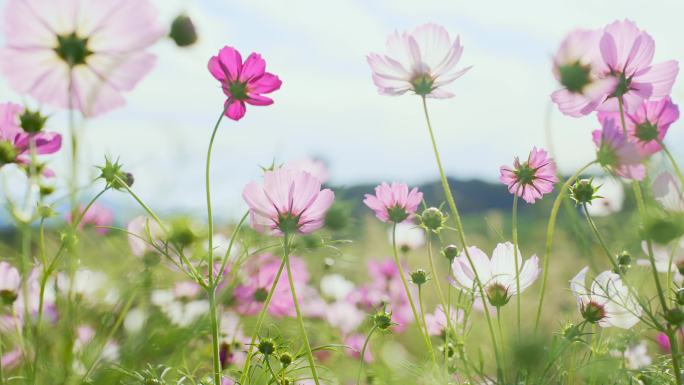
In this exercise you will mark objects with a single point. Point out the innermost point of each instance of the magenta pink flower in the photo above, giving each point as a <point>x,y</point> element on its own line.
<point>260,274</point>
<point>394,202</point>
<point>289,201</point>
<point>648,124</point>
<point>575,66</point>
<point>616,153</point>
<point>627,54</point>
<point>422,61</point>
<point>15,142</point>
<point>97,216</point>
<point>98,46</point>
<point>242,82</point>
<point>532,179</point>
<point>663,342</point>
<point>354,344</point>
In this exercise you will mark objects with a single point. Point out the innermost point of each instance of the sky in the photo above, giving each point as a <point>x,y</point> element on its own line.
<point>329,108</point>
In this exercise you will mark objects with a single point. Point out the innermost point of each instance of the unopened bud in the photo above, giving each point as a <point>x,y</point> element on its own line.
<point>183,31</point>
<point>419,277</point>
<point>432,219</point>
<point>450,252</point>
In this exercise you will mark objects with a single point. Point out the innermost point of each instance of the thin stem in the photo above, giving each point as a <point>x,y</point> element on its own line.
<point>459,229</point>
<point>211,291</point>
<point>426,339</point>
<point>259,322</point>
<point>2,371</point>
<point>302,329</point>
<point>514,231</point>
<point>238,227</point>
<point>549,237</point>
<point>422,311</point>
<point>363,353</point>
<point>501,339</point>
<point>270,369</point>
<point>443,302</point>
<point>674,351</point>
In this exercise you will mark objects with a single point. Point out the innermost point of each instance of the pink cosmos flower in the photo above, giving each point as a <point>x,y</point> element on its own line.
<point>437,323</point>
<point>616,153</point>
<point>10,280</point>
<point>97,216</point>
<point>394,202</point>
<point>261,272</point>
<point>315,167</point>
<point>648,124</point>
<point>355,343</point>
<point>663,342</point>
<point>532,179</point>
<point>97,46</point>
<point>422,61</point>
<point>627,54</point>
<point>16,142</point>
<point>242,82</point>
<point>575,66</point>
<point>11,359</point>
<point>289,201</point>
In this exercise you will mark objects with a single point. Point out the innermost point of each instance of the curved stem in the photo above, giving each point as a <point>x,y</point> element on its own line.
<point>260,321</point>
<point>459,229</point>
<point>514,231</point>
<point>363,353</point>
<point>426,339</point>
<point>302,329</point>
<point>549,236</point>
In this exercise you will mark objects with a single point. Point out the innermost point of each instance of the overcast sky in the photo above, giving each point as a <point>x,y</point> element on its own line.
<point>329,108</point>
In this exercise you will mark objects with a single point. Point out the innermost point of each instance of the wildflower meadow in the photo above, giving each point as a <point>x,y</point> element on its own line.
<point>573,277</point>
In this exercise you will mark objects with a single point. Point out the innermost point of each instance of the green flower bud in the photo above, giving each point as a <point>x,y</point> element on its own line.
<point>382,320</point>
<point>674,317</point>
<point>583,191</point>
<point>7,297</point>
<point>266,346</point>
<point>497,295</point>
<point>183,31</point>
<point>450,252</point>
<point>285,359</point>
<point>8,154</point>
<point>114,176</point>
<point>32,121</point>
<point>419,277</point>
<point>432,219</point>
<point>593,312</point>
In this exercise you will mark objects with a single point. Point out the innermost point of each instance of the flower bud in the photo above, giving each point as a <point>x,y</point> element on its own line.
<point>419,277</point>
<point>45,211</point>
<point>624,263</point>
<point>571,332</point>
<point>8,154</point>
<point>432,219</point>
<point>382,320</point>
<point>266,346</point>
<point>593,312</point>
<point>114,176</point>
<point>680,296</point>
<point>450,252</point>
<point>46,190</point>
<point>583,191</point>
<point>183,31</point>
<point>32,121</point>
<point>680,266</point>
<point>674,317</point>
<point>285,359</point>
<point>7,297</point>
<point>497,294</point>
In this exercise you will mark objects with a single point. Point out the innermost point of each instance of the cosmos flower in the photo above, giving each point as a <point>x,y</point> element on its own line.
<point>408,235</point>
<point>611,197</point>
<point>344,316</point>
<point>354,343</point>
<point>289,201</point>
<point>179,304</point>
<point>532,179</point>
<point>233,340</point>
<point>627,56</point>
<point>15,141</point>
<point>666,257</point>
<point>315,167</point>
<point>608,302</point>
<point>259,276</point>
<point>243,83</point>
<point>437,324</point>
<point>143,232</point>
<point>98,216</point>
<point>90,285</point>
<point>648,124</point>
<point>336,286</point>
<point>616,153</point>
<point>97,46</point>
<point>10,281</point>
<point>394,202</point>
<point>422,61</point>
<point>575,66</point>
<point>668,191</point>
<point>497,275</point>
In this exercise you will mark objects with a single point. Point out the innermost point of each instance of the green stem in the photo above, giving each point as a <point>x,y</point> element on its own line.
<point>514,230</point>
<point>260,321</point>
<point>363,353</point>
<point>459,229</point>
<point>501,339</point>
<point>549,237</point>
<point>302,329</point>
<point>211,287</point>
<point>2,371</point>
<point>443,302</point>
<point>417,318</point>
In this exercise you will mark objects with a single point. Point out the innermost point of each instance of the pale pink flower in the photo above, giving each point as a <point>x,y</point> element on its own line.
<point>575,66</point>
<point>409,236</point>
<point>10,280</point>
<point>11,359</point>
<point>497,275</point>
<point>394,202</point>
<point>260,274</point>
<point>242,82</point>
<point>422,60</point>
<point>98,216</point>
<point>233,340</point>
<point>616,153</point>
<point>344,316</point>
<point>143,232</point>
<point>608,302</point>
<point>533,178</point>
<point>315,167</point>
<point>98,46</point>
<point>648,124</point>
<point>289,201</point>
<point>627,54</point>
<point>668,191</point>
<point>437,322</point>
<point>19,140</point>
<point>354,344</point>
<point>186,290</point>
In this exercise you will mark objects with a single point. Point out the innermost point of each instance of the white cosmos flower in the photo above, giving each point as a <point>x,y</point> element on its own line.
<point>668,191</point>
<point>612,198</point>
<point>422,60</point>
<point>608,302</point>
<point>637,356</point>
<point>344,316</point>
<point>498,274</point>
<point>335,286</point>
<point>666,258</point>
<point>408,235</point>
